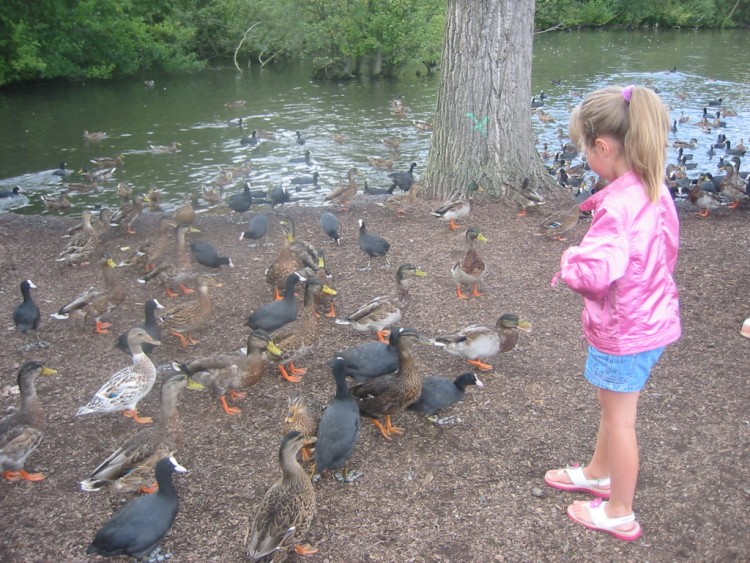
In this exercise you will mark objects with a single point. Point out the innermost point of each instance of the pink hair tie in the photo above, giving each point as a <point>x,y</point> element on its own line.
<point>627,92</point>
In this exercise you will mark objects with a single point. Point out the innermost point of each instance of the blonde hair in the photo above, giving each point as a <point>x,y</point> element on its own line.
<point>640,124</point>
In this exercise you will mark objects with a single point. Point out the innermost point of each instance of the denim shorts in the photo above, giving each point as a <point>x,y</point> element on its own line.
<point>624,374</point>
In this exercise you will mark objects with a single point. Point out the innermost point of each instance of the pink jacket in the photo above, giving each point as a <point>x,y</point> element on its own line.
<point>623,269</point>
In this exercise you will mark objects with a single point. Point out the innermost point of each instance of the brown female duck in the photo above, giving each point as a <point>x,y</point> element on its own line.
<point>470,270</point>
<point>184,318</point>
<point>343,194</point>
<point>300,419</point>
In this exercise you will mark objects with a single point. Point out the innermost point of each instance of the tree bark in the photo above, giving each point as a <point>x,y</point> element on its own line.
<point>483,120</point>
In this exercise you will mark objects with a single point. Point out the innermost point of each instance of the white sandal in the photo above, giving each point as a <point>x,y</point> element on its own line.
<point>579,482</point>
<point>603,523</point>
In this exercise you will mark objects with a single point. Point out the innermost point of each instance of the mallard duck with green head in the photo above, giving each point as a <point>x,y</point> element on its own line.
<point>483,341</point>
<point>22,430</point>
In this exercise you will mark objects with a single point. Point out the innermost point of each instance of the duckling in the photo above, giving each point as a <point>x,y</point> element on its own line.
<point>378,314</point>
<point>300,139</point>
<point>458,205</point>
<point>390,394</point>
<point>81,245</point>
<point>22,430</point>
<point>559,223</point>
<point>373,245</point>
<point>129,385</point>
<point>470,270</point>
<point>482,341</point>
<point>401,203</point>
<point>439,393</point>
<point>304,159</point>
<point>165,149</point>
<point>241,202</point>
<point>380,162</point>
<point>391,142</point>
<point>138,527</point>
<point>150,325</point>
<point>287,509</point>
<point>182,319</point>
<point>338,430</point>
<point>108,161</point>
<point>185,215</point>
<point>257,228</point>
<point>299,418</point>
<point>330,225</point>
<point>26,315</point>
<point>403,180</point>
<point>343,194</point>
<point>131,466</point>
<point>15,191</point>
<point>128,212</point>
<point>61,203</point>
<point>277,313</point>
<point>295,339</point>
<point>94,135</point>
<point>97,305</point>
<point>206,254</point>
<point>370,360</point>
<point>233,374</point>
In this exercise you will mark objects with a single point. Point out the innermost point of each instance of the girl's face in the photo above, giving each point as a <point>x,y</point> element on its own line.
<point>605,157</point>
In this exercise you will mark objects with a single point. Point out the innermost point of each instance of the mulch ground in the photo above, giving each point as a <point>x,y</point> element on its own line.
<point>472,491</point>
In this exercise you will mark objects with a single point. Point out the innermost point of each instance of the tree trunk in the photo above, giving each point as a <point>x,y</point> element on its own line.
<point>482,129</point>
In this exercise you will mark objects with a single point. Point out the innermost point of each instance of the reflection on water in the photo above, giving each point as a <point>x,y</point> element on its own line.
<point>343,123</point>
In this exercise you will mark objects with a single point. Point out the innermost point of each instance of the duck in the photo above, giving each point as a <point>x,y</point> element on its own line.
<point>403,180</point>
<point>401,203</point>
<point>424,126</point>
<point>150,252</point>
<point>457,206</point>
<point>63,170</point>
<point>732,187</point>
<point>378,314</point>
<point>287,509</point>
<point>61,203</point>
<point>80,247</point>
<point>129,385</point>
<point>233,374</point>
<point>128,212</point>
<point>108,161</point>
<point>131,466</point>
<point>97,305</point>
<point>300,139</point>
<point>165,149</point>
<point>295,256</point>
<point>213,195</point>
<point>330,225</point>
<point>325,301</point>
<point>94,135</point>
<point>257,228</point>
<point>373,245</point>
<point>557,224</point>
<point>82,187</point>
<point>138,527</point>
<point>277,313</point>
<point>174,272</point>
<point>264,134</point>
<point>370,360</point>
<point>388,395</point>
<point>206,255</point>
<point>343,194</point>
<point>296,338</point>
<point>717,122</point>
<point>26,315</point>
<point>483,341</point>
<point>439,393</point>
<point>306,180</point>
<point>185,214</point>
<point>13,192</point>
<point>380,162</point>
<point>685,144</point>
<point>241,202</point>
<point>471,269</point>
<point>339,138</point>
<point>22,430</point>
<point>150,325</point>
<point>391,142</point>
<point>182,319</point>
<point>338,430</point>
<point>370,190</point>
<point>705,201</point>
<point>300,418</point>
<point>304,159</point>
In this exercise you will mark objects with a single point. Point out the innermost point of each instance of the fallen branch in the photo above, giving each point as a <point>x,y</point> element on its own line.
<point>237,50</point>
<point>553,28</point>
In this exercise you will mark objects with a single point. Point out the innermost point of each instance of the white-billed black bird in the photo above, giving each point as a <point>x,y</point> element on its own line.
<point>374,246</point>
<point>206,255</point>
<point>330,225</point>
<point>257,228</point>
<point>26,314</point>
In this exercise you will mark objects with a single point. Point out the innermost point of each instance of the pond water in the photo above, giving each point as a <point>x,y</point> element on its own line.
<point>43,125</point>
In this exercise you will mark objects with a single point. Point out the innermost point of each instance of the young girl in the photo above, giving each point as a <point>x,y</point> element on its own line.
<point>623,269</point>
